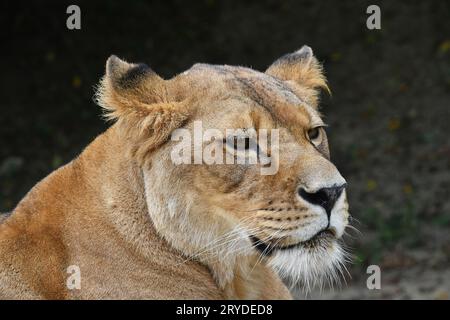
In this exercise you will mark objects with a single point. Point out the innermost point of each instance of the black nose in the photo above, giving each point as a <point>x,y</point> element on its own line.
<point>325,197</point>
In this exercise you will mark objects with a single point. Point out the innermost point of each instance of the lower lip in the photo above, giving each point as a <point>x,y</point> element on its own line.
<point>324,234</point>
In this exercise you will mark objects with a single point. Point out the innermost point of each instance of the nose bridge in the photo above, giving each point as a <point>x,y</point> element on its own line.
<point>317,173</point>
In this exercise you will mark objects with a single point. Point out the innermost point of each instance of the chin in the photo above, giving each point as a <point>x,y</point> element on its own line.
<point>311,264</point>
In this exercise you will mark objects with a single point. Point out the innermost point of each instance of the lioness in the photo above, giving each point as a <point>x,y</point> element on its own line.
<point>123,221</point>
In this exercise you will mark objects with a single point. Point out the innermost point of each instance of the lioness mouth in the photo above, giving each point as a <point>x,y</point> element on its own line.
<point>319,239</point>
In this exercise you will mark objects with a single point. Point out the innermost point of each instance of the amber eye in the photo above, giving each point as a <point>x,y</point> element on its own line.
<point>314,133</point>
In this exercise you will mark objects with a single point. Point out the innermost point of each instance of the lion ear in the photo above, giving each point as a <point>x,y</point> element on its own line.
<point>302,71</point>
<point>128,88</point>
<point>140,102</point>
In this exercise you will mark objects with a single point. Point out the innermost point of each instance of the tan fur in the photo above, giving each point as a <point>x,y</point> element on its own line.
<point>3,216</point>
<point>137,225</point>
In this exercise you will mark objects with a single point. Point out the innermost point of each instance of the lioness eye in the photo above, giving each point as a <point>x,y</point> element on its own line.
<point>313,133</point>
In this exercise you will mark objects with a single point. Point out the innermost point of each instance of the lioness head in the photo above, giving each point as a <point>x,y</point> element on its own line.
<point>219,213</point>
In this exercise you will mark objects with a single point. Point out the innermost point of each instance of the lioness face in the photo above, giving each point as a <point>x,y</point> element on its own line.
<point>294,216</point>
<point>291,217</point>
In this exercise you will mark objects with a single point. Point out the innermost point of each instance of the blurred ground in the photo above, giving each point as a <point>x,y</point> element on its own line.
<point>388,114</point>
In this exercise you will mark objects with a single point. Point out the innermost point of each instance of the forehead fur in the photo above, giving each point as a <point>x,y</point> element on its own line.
<point>266,91</point>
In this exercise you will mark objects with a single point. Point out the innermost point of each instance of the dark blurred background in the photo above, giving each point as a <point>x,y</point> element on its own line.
<point>388,114</point>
